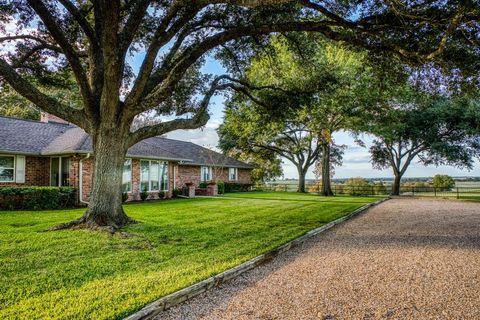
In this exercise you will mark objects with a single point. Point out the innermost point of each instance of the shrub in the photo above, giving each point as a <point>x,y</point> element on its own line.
<point>124,197</point>
<point>380,188</point>
<point>221,187</point>
<point>161,195</point>
<point>143,195</point>
<point>358,187</point>
<point>443,181</point>
<point>314,187</point>
<point>203,185</point>
<point>37,198</point>
<point>237,187</point>
<point>176,192</point>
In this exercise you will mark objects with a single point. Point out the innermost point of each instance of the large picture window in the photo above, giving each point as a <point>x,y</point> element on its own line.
<point>154,175</point>
<point>7,168</point>
<point>127,176</point>
<point>60,171</point>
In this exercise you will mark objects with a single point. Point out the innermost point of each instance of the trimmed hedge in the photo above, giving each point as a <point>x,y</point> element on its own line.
<point>237,187</point>
<point>37,198</point>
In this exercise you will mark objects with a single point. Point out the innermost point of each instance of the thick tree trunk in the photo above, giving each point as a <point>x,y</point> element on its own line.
<point>396,185</point>
<point>105,209</point>
<point>301,179</point>
<point>326,183</point>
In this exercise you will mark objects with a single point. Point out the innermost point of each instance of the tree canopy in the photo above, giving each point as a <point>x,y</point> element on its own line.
<point>303,90</point>
<point>434,129</point>
<point>92,43</point>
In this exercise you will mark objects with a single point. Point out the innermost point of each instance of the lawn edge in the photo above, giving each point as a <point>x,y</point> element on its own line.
<point>173,299</point>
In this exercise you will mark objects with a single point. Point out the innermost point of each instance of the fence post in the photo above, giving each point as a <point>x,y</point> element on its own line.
<point>458,194</point>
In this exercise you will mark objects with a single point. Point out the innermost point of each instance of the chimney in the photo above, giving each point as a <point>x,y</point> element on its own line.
<point>48,118</point>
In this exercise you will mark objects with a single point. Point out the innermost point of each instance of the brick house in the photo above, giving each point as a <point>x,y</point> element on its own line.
<point>52,152</point>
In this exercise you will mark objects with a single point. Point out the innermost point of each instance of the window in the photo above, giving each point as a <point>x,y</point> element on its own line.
<point>7,168</point>
<point>205,174</point>
<point>127,176</point>
<point>60,171</point>
<point>154,175</point>
<point>232,174</point>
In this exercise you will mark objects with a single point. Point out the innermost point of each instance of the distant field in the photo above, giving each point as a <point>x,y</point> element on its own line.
<point>467,184</point>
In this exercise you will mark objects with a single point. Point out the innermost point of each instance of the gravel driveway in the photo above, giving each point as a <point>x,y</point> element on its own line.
<point>404,259</point>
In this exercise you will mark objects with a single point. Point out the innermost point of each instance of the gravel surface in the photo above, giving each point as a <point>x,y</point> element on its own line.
<point>404,259</point>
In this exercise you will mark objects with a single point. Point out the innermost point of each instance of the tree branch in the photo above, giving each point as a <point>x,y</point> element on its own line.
<point>133,22</point>
<point>161,37</point>
<point>46,103</point>
<point>73,59</point>
<point>199,119</point>
<point>82,22</point>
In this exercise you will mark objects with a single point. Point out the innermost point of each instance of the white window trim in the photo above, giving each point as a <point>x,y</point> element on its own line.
<point>131,174</point>
<point>210,173</point>
<point>160,163</point>
<point>59,170</point>
<point>236,174</point>
<point>14,168</point>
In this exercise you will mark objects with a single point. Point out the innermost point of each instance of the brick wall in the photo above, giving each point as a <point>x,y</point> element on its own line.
<point>37,173</point>
<point>243,175</point>
<point>132,196</point>
<point>87,165</point>
<point>186,174</point>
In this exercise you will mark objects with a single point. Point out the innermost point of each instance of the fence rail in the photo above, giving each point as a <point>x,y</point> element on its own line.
<point>342,189</point>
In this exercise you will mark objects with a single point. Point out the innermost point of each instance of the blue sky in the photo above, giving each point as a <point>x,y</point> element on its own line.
<point>356,159</point>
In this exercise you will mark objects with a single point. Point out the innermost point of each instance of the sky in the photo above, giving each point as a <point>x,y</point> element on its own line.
<point>356,161</point>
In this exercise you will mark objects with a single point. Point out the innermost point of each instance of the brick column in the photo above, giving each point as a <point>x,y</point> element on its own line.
<point>191,189</point>
<point>212,189</point>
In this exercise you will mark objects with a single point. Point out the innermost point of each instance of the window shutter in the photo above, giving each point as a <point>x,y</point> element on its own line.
<point>20,169</point>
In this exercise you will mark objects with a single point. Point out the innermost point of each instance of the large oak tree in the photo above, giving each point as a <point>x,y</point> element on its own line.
<point>93,40</point>
<point>434,130</point>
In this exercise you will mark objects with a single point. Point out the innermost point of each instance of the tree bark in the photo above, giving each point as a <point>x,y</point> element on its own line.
<point>105,209</point>
<point>396,184</point>
<point>301,179</point>
<point>326,182</point>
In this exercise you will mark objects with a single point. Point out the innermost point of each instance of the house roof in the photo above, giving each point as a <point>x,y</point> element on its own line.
<point>46,139</point>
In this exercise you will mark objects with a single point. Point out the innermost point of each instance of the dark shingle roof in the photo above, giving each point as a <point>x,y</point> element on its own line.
<point>30,137</point>
<point>39,138</point>
<point>199,154</point>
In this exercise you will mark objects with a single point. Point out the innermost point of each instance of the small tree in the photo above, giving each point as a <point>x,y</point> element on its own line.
<point>254,133</point>
<point>216,161</point>
<point>443,181</point>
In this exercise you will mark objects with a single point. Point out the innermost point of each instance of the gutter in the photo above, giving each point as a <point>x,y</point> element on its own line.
<point>80,174</point>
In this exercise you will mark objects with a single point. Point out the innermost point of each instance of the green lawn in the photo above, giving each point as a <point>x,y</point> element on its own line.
<point>294,196</point>
<point>85,274</point>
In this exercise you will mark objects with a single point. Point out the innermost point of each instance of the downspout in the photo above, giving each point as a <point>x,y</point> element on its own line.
<point>174,177</point>
<point>80,187</point>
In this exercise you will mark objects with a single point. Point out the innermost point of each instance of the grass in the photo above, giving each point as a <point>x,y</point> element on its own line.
<point>90,275</point>
<point>294,196</point>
